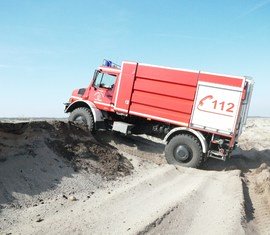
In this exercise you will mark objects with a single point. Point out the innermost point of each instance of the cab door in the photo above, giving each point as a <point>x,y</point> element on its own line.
<point>102,90</point>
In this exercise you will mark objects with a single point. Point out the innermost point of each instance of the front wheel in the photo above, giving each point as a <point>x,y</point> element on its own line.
<point>184,150</point>
<point>82,116</point>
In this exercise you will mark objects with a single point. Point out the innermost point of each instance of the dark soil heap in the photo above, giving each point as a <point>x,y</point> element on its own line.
<point>69,141</point>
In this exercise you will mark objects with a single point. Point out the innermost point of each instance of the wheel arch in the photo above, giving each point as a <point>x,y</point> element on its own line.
<point>184,130</point>
<point>97,114</point>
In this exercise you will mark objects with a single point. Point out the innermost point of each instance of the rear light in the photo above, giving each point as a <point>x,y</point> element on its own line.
<point>244,94</point>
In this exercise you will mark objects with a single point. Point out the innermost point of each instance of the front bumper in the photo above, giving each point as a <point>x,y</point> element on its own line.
<point>66,106</point>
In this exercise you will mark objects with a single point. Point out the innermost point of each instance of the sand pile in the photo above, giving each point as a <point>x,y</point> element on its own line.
<point>50,142</point>
<point>256,135</point>
<point>52,181</point>
<point>262,180</point>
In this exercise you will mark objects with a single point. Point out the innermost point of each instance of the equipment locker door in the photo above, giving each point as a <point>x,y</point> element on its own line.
<point>216,107</point>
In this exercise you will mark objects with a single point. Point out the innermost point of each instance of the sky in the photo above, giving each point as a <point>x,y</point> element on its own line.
<point>49,48</point>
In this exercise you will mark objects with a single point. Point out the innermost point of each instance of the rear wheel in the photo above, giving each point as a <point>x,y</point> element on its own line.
<point>184,150</point>
<point>82,116</point>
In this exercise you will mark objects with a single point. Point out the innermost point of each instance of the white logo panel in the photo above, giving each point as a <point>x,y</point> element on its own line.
<point>216,108</point>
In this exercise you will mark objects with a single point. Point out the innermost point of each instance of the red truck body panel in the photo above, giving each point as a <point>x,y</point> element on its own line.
<point>124,86</point>
<point>162,93</point>
<point>159,93</point>
<point>221,79</point>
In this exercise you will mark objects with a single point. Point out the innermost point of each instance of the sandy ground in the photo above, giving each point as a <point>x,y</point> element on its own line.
<point>55,179</point>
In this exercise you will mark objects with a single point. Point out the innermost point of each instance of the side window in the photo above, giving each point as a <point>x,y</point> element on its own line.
<point>107,81</point>
<point>98,79</point>
<point>104,80</point>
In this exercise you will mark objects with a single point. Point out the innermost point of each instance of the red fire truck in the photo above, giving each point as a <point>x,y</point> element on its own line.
<point>198,114</point>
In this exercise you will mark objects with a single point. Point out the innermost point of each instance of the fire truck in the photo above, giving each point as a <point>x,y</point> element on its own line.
<point>197,114</point>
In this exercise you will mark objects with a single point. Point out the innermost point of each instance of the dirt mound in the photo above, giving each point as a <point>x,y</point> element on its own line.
<point>67,140</point>
<point>59,200</point>
<point>262,181</point>
<point>92,157</point>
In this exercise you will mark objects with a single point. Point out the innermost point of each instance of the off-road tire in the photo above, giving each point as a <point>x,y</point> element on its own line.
<point>86,116</point>
<point>190,144</point>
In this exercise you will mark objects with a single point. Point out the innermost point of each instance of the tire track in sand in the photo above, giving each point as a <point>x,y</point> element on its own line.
<point>202,202</point>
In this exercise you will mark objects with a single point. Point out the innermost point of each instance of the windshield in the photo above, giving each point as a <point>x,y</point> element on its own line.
<point>104,80</point>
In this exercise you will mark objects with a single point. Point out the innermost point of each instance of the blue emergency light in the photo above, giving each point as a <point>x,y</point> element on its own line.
<point>107,63</point>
